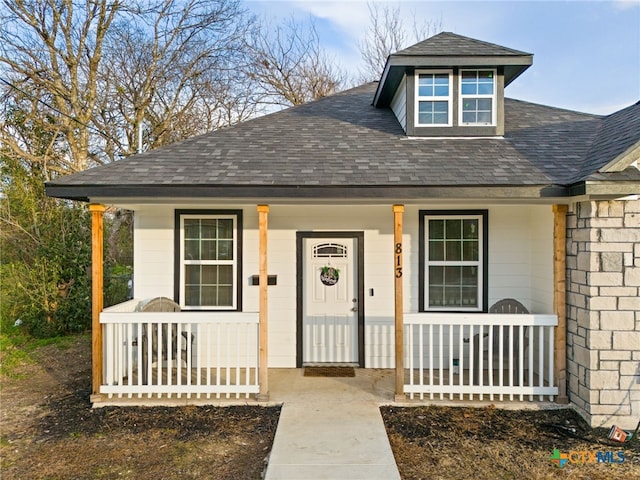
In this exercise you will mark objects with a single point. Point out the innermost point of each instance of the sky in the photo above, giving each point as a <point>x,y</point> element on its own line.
<point>586,54</point>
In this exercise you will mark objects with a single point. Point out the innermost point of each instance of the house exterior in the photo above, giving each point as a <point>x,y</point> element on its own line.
<point>377,228</point>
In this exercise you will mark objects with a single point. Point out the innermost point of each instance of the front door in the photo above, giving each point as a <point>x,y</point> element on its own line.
<point>330,300</point>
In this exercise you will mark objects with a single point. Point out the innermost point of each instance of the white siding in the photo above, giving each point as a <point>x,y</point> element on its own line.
<point>153,252</point>
<point>399,103</point>
<point>542,259</point>
<point>510,243</point>
<point>520,263</point>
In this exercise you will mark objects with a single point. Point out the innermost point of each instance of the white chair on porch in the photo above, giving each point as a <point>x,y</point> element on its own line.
<point>161,304</point>
<point>504,306</point>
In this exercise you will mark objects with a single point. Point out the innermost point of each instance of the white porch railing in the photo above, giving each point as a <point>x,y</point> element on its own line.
<point>161,354</point>
<point>498,355</point>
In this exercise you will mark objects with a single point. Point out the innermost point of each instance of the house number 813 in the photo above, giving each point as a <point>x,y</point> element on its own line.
<point>398,252</point>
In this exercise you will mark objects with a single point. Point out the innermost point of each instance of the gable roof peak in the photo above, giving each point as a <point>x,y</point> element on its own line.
<point>449,50</point>
<point>452,44</point>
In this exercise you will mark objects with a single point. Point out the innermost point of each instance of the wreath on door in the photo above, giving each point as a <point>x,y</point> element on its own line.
<point>329,275</point>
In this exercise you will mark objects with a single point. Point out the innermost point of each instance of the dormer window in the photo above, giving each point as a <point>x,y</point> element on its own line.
<point>450,86</point>
<point>434,97</point>
<point>477,97</point>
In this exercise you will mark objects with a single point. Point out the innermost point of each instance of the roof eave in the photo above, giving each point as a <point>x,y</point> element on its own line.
<point>86,193</point>
<point>611,189</point>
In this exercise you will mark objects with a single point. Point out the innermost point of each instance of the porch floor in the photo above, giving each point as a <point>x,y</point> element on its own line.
<point>290,384</point>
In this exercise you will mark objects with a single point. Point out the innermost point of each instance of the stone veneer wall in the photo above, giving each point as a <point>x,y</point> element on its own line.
<point>603,311</point>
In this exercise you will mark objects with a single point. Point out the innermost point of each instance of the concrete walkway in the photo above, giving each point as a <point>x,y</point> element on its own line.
<point>331,428</point>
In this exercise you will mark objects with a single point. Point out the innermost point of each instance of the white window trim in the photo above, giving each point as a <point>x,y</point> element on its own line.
<point>233,262</point>
<point>418,99</point>
<point>492,97</point>
<point>479,264</point>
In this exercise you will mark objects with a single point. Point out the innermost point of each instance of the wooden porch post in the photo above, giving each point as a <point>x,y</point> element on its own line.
<point>97,279</point>
<point>263,367</point>
<point>560,299</point>
<point>398,210</point>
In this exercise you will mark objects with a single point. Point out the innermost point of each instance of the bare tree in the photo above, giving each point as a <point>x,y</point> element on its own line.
<point>172,69</point>
<point>51,49</point>
<point>90,72</point>
<point>289,65</point>
<point>387,34</point>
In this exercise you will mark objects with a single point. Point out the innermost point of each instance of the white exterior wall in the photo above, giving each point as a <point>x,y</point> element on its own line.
<point>153,251</point>
<point>520,263</point>
<point>541,260</point>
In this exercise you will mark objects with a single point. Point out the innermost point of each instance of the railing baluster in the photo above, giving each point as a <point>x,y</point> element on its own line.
<point>472,379</point>
<point>148,361</point>
<point>140,366</point>
<point>411,354</point>
<point>431,359</point>
<point>501,360</point>
<point>521,360</point>
<point>461,359</point>
<point>511,361</point>
<point>228,360</point>
<point>450,359</point>
<point>440,360</point>
<point>237,361</point>
<point>118,361</point>
<point>490,361</point>
<point>130,336</point>
<point>248,335</point>
<point>421,362</point>
<point>208,329</point>
<point>168,369</point>
<point>178,358</point>
<point>481,359</point>
<point>541,360</point>
<point>551,366</point>
<point>218,358</point>
<point>188,348</point>
<point>109,345</point>
<point>530,363</point>
<point>198,360</point>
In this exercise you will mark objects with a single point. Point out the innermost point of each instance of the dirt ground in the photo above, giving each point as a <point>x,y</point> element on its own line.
<point>49,431</point>
<point>488,443</point>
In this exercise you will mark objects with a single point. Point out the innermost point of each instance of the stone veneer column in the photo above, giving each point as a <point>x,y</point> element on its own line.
<point>603,311</point>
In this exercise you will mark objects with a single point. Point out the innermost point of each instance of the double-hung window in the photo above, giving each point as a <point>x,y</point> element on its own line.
<point>453,260</point>
<point>433,95</point>
<point>477,97</point>
<point>209,260</point>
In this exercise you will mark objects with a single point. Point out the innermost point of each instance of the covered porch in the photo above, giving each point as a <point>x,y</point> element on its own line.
<point>201,356</point>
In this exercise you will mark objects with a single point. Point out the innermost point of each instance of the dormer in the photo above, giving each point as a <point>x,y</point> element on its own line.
<point>450,85</point>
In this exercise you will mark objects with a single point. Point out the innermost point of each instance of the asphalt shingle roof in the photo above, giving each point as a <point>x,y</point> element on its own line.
<point>616,134</point>
<point>450,44</point>
<point>343,141</point>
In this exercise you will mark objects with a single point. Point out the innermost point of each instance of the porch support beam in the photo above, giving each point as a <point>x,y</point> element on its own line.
<point>263,367</point>
<point>560,299</point>
<point>97,295</point>
<point>398,211</point>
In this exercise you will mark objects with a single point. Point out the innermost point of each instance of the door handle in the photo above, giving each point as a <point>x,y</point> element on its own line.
<point>354,309</point>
